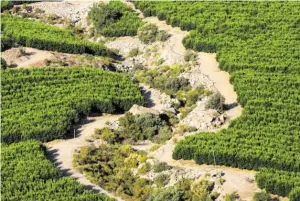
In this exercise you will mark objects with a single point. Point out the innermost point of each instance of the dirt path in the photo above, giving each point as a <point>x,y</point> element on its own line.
<point>62,152</point>
<point>208,63</point>
<point>236,179</point>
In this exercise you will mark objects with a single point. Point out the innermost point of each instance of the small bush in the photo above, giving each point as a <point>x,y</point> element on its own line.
<point>216,101</point>
<point>161,180</point>
<point>47,62</point>
<point>221,180</point>
<point>162,35</point>
<point>147,33</point>
<point>161,166</point>
<point>214,195</point>
<point>133,52</point>
<point>145,168</point>
<point>190,56</point>
<point>231,197</point>
<point>155,147</point>
<point>261,196</point>
<point>3,64</point>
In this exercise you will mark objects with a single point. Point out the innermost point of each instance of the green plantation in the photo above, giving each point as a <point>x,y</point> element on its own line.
<point>43,104</point>
<point>258,43</point>
<point>27,175</point>
<point>45,37</point>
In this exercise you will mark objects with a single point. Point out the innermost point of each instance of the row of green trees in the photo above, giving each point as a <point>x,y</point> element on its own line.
<point>247,35</point>
<point>259,46</point>
<point>114,19</point>
<point>27,175</point>
<point>45,37</point>
<point>264,137</point>
<point>279,182</point>
<point>44,103</point>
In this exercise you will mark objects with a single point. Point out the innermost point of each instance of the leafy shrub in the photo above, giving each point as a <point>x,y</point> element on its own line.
<point>160,167</point>
<point>162,35</point>
<point>147,33</point>
<point>216,101</point>
<point>145,168</point>
<point>3,64</point>
<point>201,188</point>
<point>167,194</point>
<point>190,56</point>
<point>114,19</point>
<point>161,180</point>
<point>133,52</point>
<point>231,197</point>
<point>113,170</point>
<point>146,126</point>
<point>261,196</point>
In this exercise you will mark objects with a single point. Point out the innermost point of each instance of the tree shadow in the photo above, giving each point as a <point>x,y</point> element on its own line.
<point>148,100</point>
<point>230,106</point>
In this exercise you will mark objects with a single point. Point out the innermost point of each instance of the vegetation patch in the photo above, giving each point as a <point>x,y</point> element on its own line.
<point>259,46</point>
<point>26,174</point>
<point>46,37</point>
<point>134,128</point>
<point>44,103</point>
<point>114,19</point>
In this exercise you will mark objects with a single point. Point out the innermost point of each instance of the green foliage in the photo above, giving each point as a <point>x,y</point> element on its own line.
<point>3,64</point>
<point>146,126</point>
<point>190,56</point>
<point>8,4</point>
<point>278,182</point>
<point>231,197</point>
<point>133,52</point>
<point>109,167</point>
<point>261,196</point>
<point>108,135</point>
<point>27,175</point>
<point>161,180</point>
<point>295,194</point>
<point>39,103</point>
<point>147,33</point>
<point>160,167</point>
<point>45,37</point>
<point>162,35</point>
<point>215,101</point>
<point>201,189</point>
<point>114,19</point>
<point>167,194</point>
<point>259,46</point>
<point>145,168</point>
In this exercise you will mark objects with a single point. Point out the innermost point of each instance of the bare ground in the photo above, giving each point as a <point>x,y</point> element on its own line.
<point>33,57</point>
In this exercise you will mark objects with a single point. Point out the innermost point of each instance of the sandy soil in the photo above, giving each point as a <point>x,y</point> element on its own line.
<point>62,152</point>
<point>33,57</point>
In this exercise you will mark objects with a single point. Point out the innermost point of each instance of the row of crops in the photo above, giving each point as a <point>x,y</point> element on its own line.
<point>27,175</point>
<point>258,43</point>
<point>43,104</point>
<point>45,37</point>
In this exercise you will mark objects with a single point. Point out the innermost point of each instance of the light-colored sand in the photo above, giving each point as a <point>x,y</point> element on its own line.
<point>33,57</point>
<point>62,152</point>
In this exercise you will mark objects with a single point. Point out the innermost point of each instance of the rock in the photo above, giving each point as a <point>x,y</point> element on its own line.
<point>136,109</point>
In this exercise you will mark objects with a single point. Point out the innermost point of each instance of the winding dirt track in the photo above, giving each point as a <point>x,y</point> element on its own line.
<point>61,153</point>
